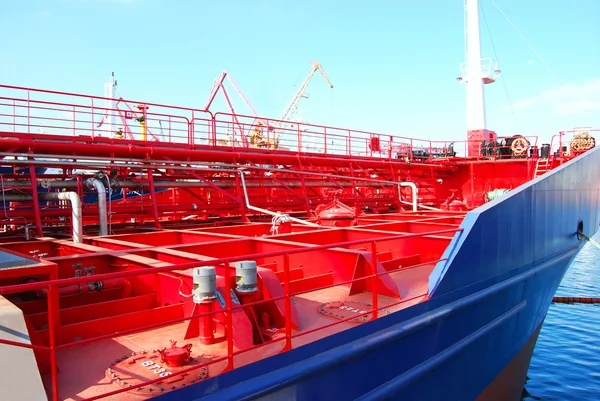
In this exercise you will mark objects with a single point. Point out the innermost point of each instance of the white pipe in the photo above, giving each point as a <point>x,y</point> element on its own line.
<point>75,207</point>
<point>414,193</point>
<point>96,183</point>
<point>414,203</point>
<point>48,196</point>
<point>423,206</point>
<point>257,209</point>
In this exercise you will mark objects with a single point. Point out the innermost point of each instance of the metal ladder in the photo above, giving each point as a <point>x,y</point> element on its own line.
<point>541,167</point>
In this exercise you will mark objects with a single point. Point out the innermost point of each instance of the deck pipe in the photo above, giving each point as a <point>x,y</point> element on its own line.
<point>413,188</point>
<point>204,154</point>
<point>72,197</point>
<point>92,183</point>
<point>193,184</point>
<point>84,288</point>
<point>265,211</point>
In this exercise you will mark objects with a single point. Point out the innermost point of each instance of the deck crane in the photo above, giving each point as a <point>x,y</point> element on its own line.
<point>290,112</point>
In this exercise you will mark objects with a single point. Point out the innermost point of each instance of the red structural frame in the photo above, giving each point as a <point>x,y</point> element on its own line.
<point>52,287</point>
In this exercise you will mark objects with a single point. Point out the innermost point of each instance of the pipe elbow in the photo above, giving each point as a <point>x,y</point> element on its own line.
<point>95,183</point>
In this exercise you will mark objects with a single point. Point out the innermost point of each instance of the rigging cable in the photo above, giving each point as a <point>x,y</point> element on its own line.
<point>512,112</point>
<point>526,41</point>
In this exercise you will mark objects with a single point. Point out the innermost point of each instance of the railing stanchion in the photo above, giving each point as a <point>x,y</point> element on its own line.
<point>52,325</point>
<point>374,280</point>
<point>288,303</point>
<point>93,117</point>
<point>228,317</point>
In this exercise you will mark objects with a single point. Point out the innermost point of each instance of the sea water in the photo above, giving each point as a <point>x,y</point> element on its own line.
<point>566,361</point>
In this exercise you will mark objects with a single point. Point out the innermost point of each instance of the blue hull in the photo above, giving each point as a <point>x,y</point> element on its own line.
<point>487,301</point>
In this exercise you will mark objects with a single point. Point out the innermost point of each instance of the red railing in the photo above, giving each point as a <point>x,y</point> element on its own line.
<point>560,145</point>
<point>53,286</point>
<point>68,114</point>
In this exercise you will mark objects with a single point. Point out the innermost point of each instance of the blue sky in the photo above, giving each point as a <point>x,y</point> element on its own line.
<point>393,64</point>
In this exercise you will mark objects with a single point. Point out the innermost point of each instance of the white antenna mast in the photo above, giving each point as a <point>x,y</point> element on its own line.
<point>475,73</point>
<point>110,104</point>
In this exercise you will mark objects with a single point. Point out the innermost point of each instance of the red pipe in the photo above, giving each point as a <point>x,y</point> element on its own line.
<point>171,150</point>
<point>135,210</point>
<point>83,288</point>
<point>206,323</point>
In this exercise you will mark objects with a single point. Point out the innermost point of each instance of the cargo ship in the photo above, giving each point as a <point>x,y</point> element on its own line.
<point>154,251</point>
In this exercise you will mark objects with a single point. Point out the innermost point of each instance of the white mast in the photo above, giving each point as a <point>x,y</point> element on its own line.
<point>110,105</point>
<point>475,73</point>
<point>474,79</point>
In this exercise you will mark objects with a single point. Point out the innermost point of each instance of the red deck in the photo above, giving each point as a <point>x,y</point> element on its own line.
<point>329,269</point>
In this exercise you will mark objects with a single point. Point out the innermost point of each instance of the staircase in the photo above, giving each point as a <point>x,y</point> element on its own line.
<point>541,167</point>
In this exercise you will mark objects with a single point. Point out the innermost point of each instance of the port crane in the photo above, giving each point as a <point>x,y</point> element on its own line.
<point>291,111</point>
<point>256,132</point>
<point>219,84</point>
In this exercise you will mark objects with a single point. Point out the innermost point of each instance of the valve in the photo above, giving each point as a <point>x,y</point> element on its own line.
<point>77,267</point>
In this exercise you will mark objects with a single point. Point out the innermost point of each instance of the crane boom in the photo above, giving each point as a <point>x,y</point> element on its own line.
<point>215,88</point>
<point>292,108</point>
<point>237,89</point>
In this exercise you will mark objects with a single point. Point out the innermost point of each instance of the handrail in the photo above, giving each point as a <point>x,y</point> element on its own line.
<point>331,140</point>
<point>233,307</point>
<point>345,141</point>
<point>53,286</point>
<point>10,289</point>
